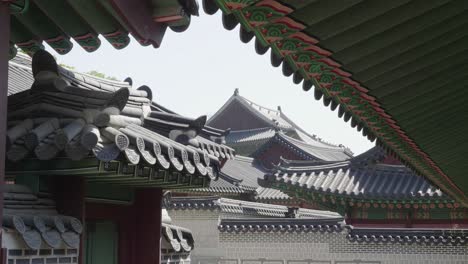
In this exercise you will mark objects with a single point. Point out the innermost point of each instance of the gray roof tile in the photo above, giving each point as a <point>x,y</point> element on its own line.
<point>28,215</point>
<point>409,235</point>
<point>357,177</point>
<point>273,119</point>
<point>80,114</point>
<point>281,225</point>
<point>258,134</point>
<point>251,209</point>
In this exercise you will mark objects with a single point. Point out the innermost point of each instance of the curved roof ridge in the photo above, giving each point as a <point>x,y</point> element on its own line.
<point>318,167</point>
<point>362,176</point>
<point>331,148</point>
<point>234,202</point>
<point>313,137</point>
<point>252,129</point>
<point>244,158</point>
<point>245,103</point>
<point>253,104</point>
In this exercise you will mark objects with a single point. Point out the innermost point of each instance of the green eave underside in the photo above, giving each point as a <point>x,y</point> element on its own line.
<point>117,173</point>
<point>413,57</point>
<point>408,60</point>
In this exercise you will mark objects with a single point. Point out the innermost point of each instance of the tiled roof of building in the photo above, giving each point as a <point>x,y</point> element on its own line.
<point>37,220</point>
<point>269,194</point>
<point>281,225</point>
<point>240,176</point>
<point>251,209</point>
<point>306,150</point>
<point>409,235</point>
<point>357,177</point>
<point>78,114</point>
<point>244,169</point>
<point>221,186</point>
<point>272,120</point>
<point>179,238</point>
<point>19,74</point>
<point>261,135</point>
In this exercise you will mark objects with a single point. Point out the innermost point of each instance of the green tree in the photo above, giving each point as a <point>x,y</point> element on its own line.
<point>66,66</point>
<point>101,75</point>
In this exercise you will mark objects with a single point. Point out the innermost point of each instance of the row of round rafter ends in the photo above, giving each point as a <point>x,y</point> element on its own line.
<point>107,141</point>
<point>409,239</point>
<point>281,228</point>
<point>311,64</point>
<point>102,130</point>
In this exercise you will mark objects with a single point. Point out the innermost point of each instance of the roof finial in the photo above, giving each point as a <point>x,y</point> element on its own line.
<point>279,108</point>
<point>236,92</point>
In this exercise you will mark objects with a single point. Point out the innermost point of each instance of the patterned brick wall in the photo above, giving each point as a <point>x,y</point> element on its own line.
<point>212,246</point>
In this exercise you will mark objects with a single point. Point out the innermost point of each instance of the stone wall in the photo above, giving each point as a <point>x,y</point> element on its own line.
<point>212,246</point>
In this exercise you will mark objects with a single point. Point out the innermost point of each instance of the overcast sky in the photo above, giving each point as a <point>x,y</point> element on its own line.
<point>195,72</point>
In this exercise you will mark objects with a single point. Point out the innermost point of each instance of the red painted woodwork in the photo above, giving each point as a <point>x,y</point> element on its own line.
<point>148,225</point>
<point>139,225</point>
<point>273,153</point>
<point>4,50</point>
<point>69,194</point>
<point>391,160</point>
<point>3,256</point>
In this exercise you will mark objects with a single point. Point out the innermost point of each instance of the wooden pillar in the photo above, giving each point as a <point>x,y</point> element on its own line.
<point>69,195</point>
<point>148,226</point>
<point>4,49</point>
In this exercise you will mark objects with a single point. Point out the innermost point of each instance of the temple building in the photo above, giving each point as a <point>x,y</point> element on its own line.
<point>291,197</point>
<point>87,159</point>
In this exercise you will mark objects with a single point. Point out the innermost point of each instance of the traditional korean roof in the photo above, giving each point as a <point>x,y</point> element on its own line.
<point>240,176</point>
<point>191,203</point>
<point>269,195</point>
<point>396,69</point>
<point>56,22</point>
<point>69,115</point>
<point>251,209</point>
<point>36,220</point>
<point>281,225</point>
<point>244,169</point>
<point>363,176</point>
<point>222,186</point>
<point>176,239</point>
<point>306,150</point>
<point>262,126</point>
<point>408,236</point>
<point>19,74</point>
<point>246,142</point>
<point>253,127</point>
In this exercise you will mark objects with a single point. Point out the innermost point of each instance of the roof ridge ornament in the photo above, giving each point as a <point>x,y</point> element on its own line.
<point>129,81</point>
<point>44,61</point>
<point>236,92</point>
<point>147,89</point>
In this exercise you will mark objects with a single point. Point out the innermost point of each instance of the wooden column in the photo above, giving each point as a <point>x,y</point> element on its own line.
<point>148,226</point>
<point>69,195</point>
<point>4,49</point>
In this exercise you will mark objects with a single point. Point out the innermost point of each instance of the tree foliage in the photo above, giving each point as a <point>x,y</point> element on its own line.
<point>101,75</point>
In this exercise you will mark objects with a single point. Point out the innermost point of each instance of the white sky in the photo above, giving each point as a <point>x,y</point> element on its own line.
<point>195,72</point>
